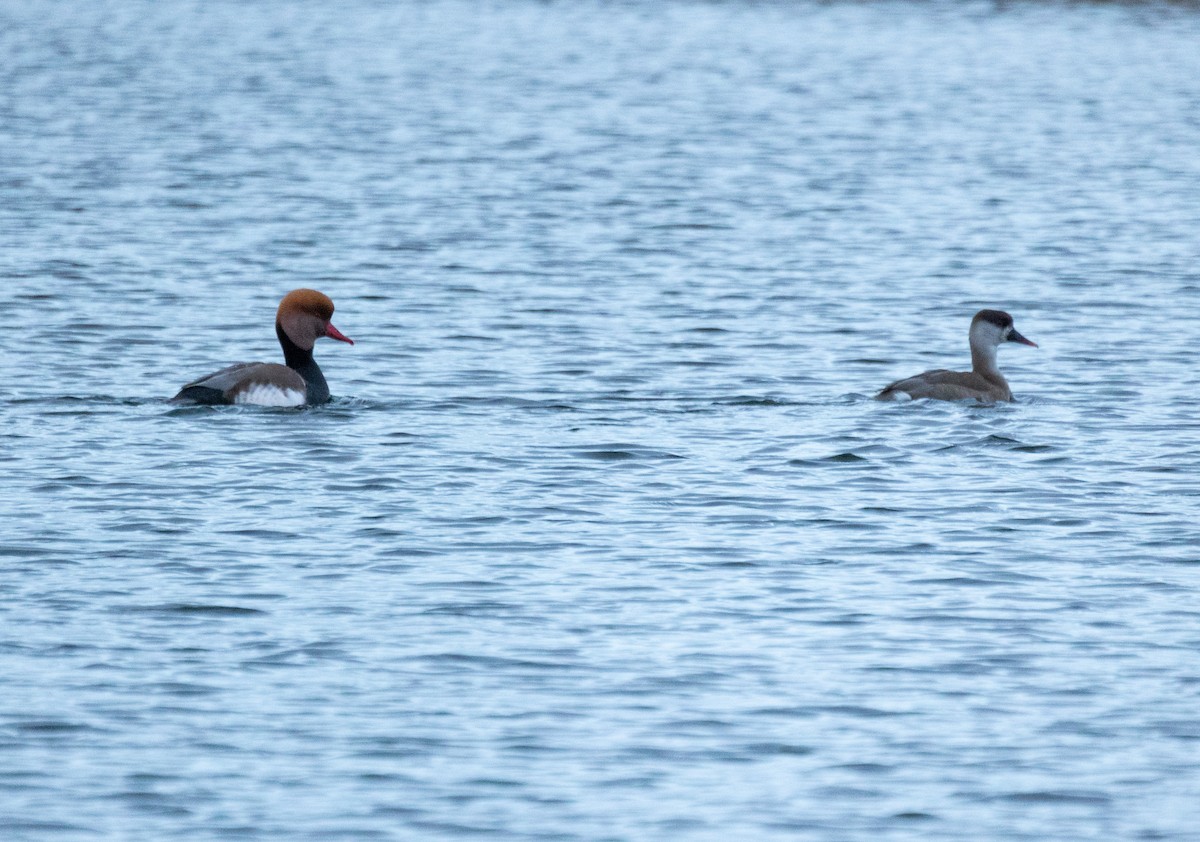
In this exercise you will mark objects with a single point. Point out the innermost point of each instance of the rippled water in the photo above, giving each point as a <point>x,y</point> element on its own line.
<point>603,537</point>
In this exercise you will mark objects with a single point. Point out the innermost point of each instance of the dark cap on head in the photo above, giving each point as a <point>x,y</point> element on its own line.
<point>997,317</point>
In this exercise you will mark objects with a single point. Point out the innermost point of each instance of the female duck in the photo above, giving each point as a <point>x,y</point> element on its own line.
<point>303,318</point>
<point>989,329</point>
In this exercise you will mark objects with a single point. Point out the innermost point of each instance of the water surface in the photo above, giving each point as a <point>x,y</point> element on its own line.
<point>603,537</point>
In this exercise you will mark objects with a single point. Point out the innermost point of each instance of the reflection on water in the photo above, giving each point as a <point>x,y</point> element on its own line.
<point>603,536</point>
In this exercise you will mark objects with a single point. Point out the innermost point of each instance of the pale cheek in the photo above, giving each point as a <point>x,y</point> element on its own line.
<point>996,335</point>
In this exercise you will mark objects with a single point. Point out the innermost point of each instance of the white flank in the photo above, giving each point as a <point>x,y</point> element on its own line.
<point>268,394</point>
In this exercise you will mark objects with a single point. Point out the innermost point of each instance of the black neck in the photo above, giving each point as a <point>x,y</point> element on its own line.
<point>302,362</point>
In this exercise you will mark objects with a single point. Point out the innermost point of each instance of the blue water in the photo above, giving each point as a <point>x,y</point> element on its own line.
<point>602,537</point>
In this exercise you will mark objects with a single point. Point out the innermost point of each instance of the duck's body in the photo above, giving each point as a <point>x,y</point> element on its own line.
<point>262,384</point>
<point>303,318</point>
<point>984,382</point>
<point>945,385</point>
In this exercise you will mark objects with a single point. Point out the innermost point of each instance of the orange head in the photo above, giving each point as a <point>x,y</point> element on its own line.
<point>304,316</point>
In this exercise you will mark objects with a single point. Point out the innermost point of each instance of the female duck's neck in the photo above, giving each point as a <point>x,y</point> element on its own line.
<point>983,361</point>
<point>302,362</point>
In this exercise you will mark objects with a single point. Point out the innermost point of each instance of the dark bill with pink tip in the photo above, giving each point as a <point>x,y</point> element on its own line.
<point>1012,337</point>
